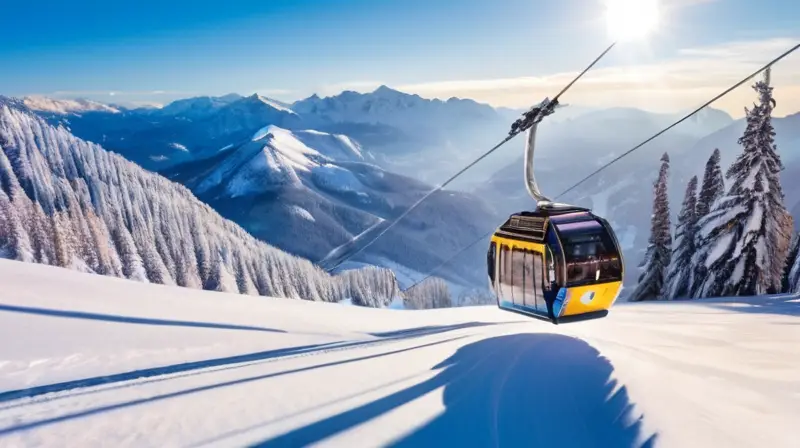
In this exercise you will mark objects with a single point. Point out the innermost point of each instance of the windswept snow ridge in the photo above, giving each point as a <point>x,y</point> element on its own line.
<point>65,107</point>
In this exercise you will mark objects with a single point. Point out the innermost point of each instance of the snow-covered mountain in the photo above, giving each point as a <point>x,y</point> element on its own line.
<point>197,107</point>
<point>391,107</point>
<point>411,135</point>
<point>69,203</point>
<point>423,138</point>
<point>181,131</point>
<point>309,192</point>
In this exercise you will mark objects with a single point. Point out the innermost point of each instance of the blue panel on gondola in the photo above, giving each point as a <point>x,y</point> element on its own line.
<point>559,302</point>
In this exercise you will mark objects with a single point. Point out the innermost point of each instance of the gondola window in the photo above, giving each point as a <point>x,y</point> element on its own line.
<point>504,284</point>
<point>518,276</point>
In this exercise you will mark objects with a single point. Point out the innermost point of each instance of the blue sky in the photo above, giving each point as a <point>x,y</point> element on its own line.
<point>505,52</point>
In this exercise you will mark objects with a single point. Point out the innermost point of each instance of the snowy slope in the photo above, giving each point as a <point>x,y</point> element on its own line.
<point>176,367</point>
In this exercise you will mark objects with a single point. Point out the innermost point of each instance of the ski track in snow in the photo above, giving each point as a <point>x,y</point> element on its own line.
<point>99,361</point>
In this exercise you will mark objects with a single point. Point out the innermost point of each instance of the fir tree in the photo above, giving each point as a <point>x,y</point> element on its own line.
<point>678,283</point>
<point>744,240</point>
<point>430,293</point>
<point>659,250</point>
<point>713,186</point>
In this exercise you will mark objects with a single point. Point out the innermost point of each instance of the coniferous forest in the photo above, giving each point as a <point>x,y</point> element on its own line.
<point>69,203</point>
<point>733,237</point>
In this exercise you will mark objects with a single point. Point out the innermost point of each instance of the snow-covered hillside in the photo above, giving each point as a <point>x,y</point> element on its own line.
<point>69,203</point>
<point>310,192</point>
<point>99,361</point>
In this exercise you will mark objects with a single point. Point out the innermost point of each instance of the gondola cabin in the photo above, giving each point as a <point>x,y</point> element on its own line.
<point>559,264</point>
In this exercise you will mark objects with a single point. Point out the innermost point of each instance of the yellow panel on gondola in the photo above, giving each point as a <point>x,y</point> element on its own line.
<point>591,298</point>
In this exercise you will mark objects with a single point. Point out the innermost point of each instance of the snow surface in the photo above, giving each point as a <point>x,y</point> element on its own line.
<point>336,178</point>
<point>284,142</point>
<point>719,248</point>
<point>102,361</point>
<point>301,212</point>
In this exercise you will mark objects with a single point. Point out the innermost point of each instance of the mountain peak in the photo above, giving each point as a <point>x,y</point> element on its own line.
<point>262,100</point>
<point>385,90</point>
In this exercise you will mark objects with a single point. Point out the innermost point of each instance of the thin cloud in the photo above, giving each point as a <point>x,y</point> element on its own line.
<point>74,93</point>
<point>686,81</point>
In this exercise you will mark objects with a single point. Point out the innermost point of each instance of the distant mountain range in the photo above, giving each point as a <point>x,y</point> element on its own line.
<point>309,175</point>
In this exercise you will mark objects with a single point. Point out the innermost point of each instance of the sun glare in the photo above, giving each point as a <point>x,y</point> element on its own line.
<point>631,19</point>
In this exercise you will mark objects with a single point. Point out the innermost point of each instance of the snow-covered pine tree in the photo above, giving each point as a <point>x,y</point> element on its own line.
<point>713,186</point>
<point>659,249</point>
<point>430,293</point>
<point>18,246</point>
<point>679,275</point>
<point>744,240</point>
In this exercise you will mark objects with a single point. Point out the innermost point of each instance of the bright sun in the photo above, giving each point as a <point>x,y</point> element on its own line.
<point>631,19</point>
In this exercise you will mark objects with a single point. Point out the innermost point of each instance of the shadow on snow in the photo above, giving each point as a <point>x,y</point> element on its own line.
<point>225,361</point>
<point>130,319</point>
<point>434,329</point>
<point>194,390</point>
<point>783,304</point>
<point>516,390</point>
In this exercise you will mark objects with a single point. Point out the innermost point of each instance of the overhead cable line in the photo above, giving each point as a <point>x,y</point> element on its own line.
<point>727,91</point>
<point>529,118</point>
